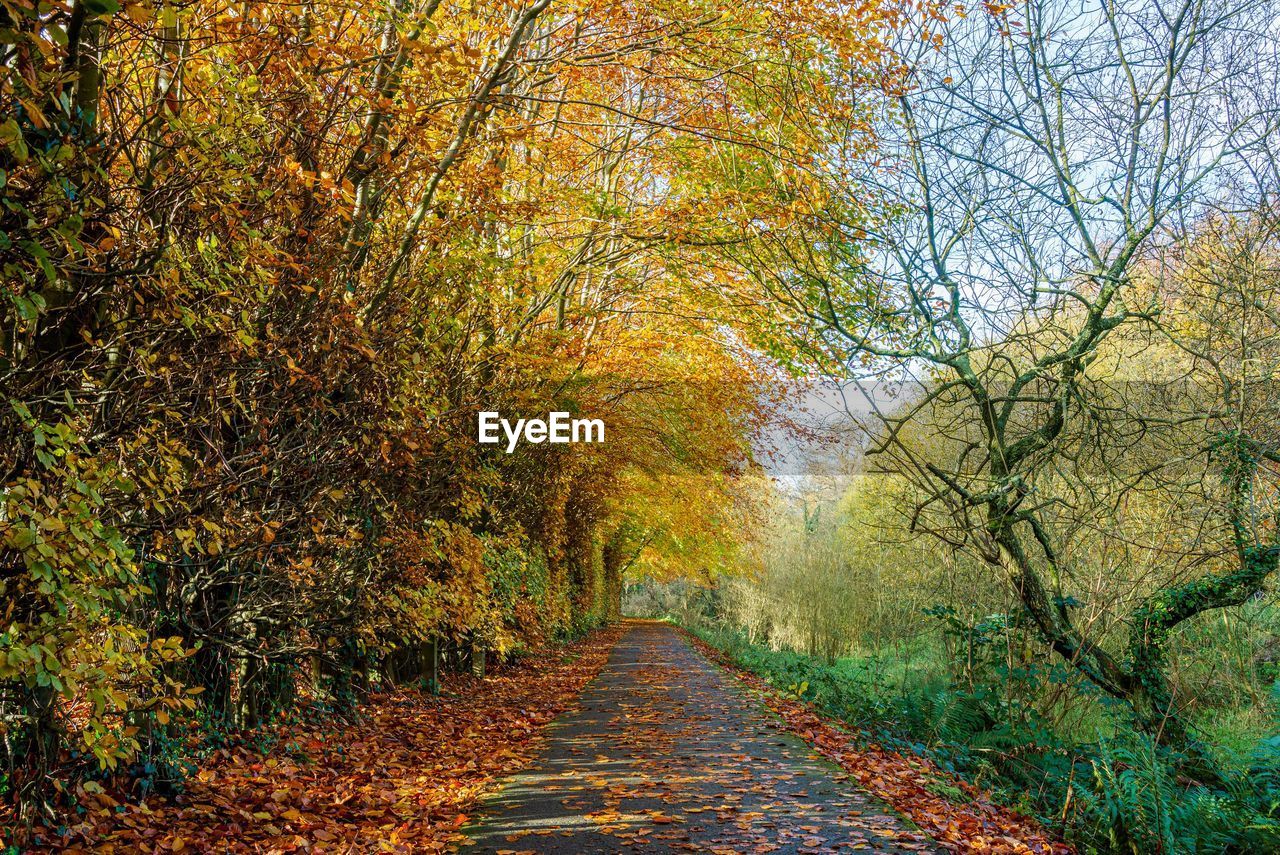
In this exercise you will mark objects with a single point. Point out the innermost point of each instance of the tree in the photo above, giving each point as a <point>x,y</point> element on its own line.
<point>1046,159</point>
<point>263,263</point>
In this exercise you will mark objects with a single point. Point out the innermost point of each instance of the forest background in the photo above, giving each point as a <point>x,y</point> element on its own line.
<point>263,263</point>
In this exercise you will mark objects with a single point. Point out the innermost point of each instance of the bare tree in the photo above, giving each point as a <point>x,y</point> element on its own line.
<point>1047,154</point>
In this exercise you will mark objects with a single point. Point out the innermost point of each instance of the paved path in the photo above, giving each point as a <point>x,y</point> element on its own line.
<point>668,754</point>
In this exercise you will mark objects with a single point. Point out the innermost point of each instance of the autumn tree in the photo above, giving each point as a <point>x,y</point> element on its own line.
<point>262,265</point>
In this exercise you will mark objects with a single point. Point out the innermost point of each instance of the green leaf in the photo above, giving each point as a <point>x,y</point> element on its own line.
<point>21,537</point>
<point>101,7</point>
<point>11,138</point>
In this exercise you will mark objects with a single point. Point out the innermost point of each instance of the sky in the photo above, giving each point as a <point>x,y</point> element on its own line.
<point>832,415</point>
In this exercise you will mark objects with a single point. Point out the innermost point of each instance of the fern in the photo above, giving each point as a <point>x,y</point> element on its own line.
<point>1138,805</point>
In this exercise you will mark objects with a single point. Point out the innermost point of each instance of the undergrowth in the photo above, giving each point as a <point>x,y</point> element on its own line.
<point>1117,792</point>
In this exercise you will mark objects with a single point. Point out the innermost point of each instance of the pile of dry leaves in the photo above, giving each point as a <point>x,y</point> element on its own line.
<point>402,780</point>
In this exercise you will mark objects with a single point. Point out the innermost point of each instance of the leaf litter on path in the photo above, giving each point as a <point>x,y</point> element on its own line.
<point>977,826</point>
<point>401,779</point>
<point>667,754</point>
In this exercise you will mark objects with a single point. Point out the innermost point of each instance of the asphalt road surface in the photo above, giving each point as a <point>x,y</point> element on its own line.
<point>667,753</point>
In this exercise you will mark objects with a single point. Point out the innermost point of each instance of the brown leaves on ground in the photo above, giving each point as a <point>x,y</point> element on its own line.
<point>978,826</point>
<point>402,780</point>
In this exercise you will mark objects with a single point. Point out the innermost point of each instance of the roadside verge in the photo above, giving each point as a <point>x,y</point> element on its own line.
<point>974,826</point>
